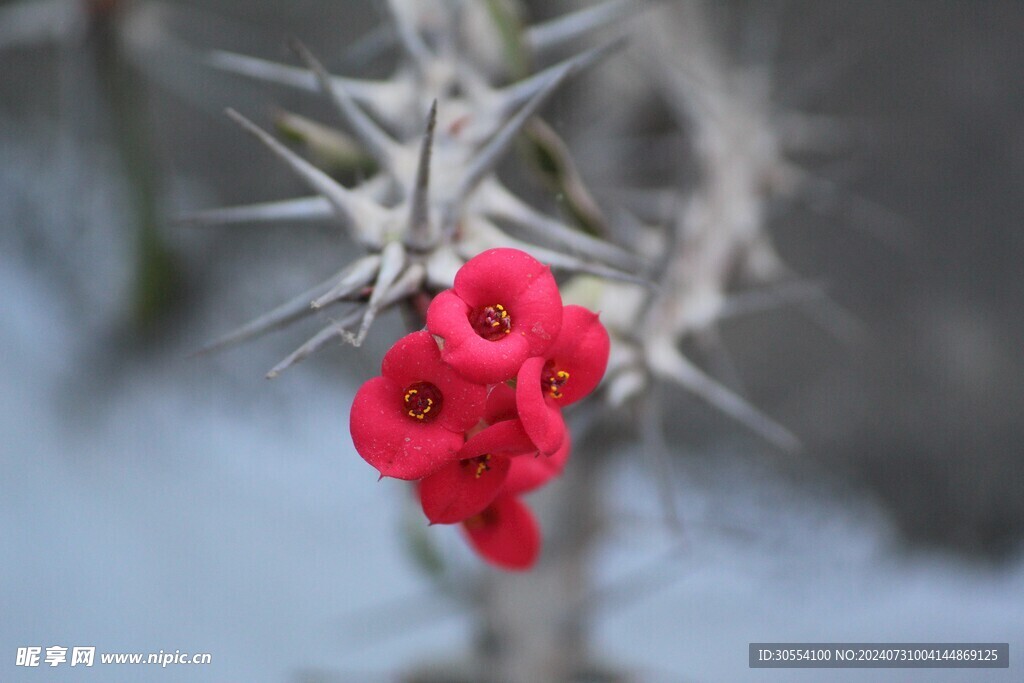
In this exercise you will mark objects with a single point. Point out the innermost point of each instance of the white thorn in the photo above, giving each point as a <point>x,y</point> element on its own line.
<point>362,217</point>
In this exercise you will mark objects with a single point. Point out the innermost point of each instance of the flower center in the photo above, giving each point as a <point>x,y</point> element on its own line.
<point>422,401</point>
<point>491,322</point>
<point>479,465</point>
<point>552,380</point>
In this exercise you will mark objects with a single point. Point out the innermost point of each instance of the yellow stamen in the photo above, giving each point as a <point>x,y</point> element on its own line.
<point>555,383</point>
<point>422,400</point>
<point>482,466</point>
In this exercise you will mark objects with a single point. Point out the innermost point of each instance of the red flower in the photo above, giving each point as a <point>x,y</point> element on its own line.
<point>411,420</point>
<point>567,372</point>
<point>463,489</point>
<point>505,534</point>
<point>504,308</point>
<point>429,416</point>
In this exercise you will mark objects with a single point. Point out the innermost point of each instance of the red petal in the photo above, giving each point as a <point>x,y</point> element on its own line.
<point>416,358</point>
<point>448,317</point>
<point>541,418</point>
<point>531,472</point>
<point>486,362</point>
<point>581,350</point>
<point>413,358</point>
<point>390,441</point>
<point>501,404</point>
<point>507,437</point>
<point>505,534</point>
<point>462,489</point>
<point>500,276</point>
<point>537,313</point>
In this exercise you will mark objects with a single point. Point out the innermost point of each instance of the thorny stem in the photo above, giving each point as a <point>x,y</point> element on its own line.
<point>534,626</point>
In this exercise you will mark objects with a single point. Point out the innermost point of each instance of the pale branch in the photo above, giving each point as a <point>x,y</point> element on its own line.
<point>384,150</point>
<point>561,31</point>
<point>291,311</point>
<point>358,275</point>
<point>669,364</point>
<point>392,261</point>
<point>306,209</point>
<point>420,232</point>
<point>498,203</point>
<point>362,217</point>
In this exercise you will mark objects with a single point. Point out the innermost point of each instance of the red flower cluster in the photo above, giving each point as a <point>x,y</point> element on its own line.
<point>472,407</point>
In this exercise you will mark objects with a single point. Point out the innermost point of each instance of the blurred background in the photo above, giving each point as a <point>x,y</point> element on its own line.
<point>153,499</point>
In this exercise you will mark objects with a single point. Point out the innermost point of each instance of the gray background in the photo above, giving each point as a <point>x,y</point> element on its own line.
<point>155,501</point>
